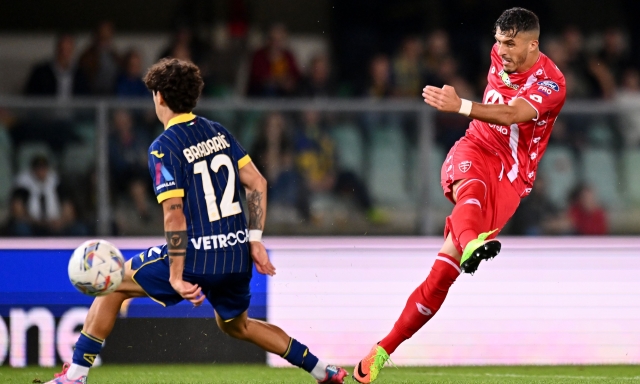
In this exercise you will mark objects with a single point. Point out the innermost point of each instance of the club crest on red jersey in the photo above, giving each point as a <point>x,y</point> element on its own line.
<point>507,81</point>
<point>464,166</point>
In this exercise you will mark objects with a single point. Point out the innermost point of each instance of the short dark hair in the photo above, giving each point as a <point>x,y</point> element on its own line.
<point>516,20</point>
<point>39,161</point>
<point>179,82</point>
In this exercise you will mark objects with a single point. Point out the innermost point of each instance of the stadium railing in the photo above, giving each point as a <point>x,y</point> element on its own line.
<point>390,150</point>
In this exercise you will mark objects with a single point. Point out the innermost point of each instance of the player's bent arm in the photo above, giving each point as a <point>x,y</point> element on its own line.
<point>175,230</point>
<point>446,99</point>
<point>256,187</point>
<point>518,111</point>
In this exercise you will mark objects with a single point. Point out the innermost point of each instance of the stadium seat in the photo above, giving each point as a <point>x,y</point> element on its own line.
<point>631,172</point>
<point>600,171</point>
<point>349,148</point>
<point>28,150</point>
<point>559,170</point>
<point>87,131</point>
<point>388,166</point>
<point>78,159</point>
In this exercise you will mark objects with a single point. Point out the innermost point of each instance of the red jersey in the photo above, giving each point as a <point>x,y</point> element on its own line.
<point>521,146</point>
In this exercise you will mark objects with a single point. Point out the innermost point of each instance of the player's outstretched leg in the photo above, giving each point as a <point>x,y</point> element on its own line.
<point>97,326</point>
<point>467,222</point>
<point>273,339</point>
<point>421,306</point>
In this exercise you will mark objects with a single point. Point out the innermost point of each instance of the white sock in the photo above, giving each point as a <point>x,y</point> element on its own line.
<point>76,371</point>
<point>319,372</point>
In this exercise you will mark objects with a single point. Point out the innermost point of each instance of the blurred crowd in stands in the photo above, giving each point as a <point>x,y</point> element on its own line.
<point>297,152</point>
<point>596,68</point>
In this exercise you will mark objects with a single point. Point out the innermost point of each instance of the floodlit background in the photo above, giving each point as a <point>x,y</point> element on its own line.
<point>325,97</point>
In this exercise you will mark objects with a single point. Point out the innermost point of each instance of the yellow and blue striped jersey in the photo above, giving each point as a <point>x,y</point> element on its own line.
<point>198,160</point>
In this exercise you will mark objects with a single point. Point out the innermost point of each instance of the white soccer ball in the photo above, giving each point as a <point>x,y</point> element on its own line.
<point>96,268</point>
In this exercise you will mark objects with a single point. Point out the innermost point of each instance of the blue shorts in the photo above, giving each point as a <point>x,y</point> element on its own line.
<point>229,294</point>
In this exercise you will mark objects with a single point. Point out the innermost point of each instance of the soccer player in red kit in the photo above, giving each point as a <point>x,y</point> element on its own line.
<point>488,171</point>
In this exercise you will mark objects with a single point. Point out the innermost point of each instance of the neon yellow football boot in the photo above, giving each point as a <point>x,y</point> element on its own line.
<point>477,250</point>
<point>368,368</point>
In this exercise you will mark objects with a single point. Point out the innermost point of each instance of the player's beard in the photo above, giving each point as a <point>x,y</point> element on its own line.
<point>516,62</point>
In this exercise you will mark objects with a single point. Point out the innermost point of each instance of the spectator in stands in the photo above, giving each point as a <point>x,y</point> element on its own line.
<point>614,53</point>
<point>315,158</point>
<point>318,82</point>
<point>586,213</point>
<point>274,71</point>
<point>58,77</point>
<point>408,73</point>
<point>538,216</point>
<point>185,45</point>
<point>43,204</point>
<point>273,155</point>
<point>71,225</point>
<point>380,85</point>
<point>130,82</point>
<point>128,161</point>
<point>100,61</point>
<point>628,97</point>
<point>437,50</point>
<point>19,222</point>
<point>580,83</point>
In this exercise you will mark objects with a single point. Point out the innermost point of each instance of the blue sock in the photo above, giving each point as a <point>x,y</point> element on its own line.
<point>298,354</point>
<point>87,349</point>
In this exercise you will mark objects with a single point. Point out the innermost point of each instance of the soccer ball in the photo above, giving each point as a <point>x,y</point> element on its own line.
<point>96,268</point>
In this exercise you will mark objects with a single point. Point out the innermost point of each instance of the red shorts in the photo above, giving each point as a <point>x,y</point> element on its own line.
<point>468,160</point>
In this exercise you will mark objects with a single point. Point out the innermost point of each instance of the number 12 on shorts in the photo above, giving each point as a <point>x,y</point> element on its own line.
<point>228,207</point>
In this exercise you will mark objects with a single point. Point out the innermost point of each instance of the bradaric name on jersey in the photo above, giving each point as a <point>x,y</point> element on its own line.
<point>205,148</point>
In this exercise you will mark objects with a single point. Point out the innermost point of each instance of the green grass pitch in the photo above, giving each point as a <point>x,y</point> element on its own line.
<point>258,374</point>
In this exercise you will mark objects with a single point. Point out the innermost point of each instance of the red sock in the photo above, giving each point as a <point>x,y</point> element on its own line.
<point>465,222</point>
<point>424,302</point>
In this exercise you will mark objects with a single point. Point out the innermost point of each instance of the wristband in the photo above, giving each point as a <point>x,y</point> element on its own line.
<point>255,235</point>
<point>465,107</point>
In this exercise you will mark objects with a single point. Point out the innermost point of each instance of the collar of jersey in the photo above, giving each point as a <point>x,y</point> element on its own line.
<point>180,119</point>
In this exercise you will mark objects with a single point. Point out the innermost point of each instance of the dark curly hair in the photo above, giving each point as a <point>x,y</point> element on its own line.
<point>516,20</point>
<point>179,82</point>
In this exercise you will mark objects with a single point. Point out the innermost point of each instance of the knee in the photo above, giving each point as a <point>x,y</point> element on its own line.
<point>235,330</point>
<point>474,190</point>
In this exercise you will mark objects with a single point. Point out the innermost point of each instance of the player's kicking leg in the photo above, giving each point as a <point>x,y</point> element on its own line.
<point>274,340</point>
<point>98,325</point>
<point>464,241</point>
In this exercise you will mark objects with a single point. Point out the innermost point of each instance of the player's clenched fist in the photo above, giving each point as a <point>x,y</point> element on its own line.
<point>443,99</point>
<point>261,259</point>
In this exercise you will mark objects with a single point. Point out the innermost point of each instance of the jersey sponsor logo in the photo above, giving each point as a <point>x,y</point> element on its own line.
<point>507,81</point>
<point>539,72</point>
<point>549,85</point>
<point>464,166</point>
<point>205,148</point>
<point>500,128</point>
<point>493,97</point>
<point>424,310</point>
<point>157,154</point>
<point>220,241</point>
